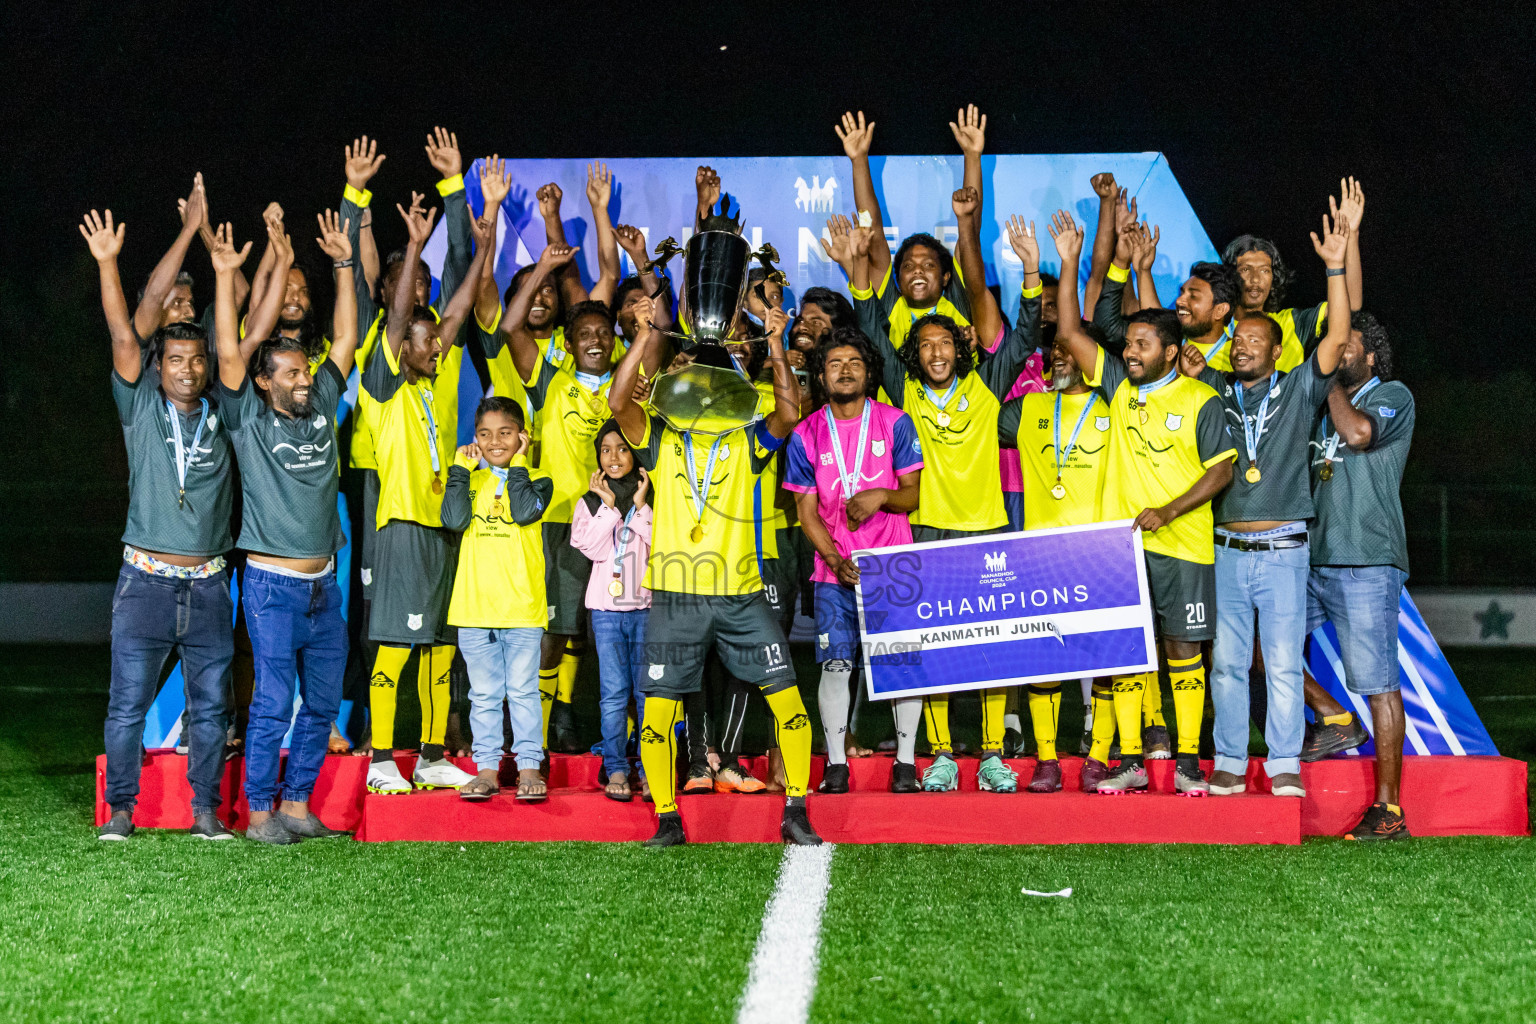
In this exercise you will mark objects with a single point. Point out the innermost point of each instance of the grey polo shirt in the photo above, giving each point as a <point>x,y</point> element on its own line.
<point>1360,508</point>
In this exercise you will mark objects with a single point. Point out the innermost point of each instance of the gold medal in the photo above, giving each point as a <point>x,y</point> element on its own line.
<point>437,485</point>
<point>616,588</point>
<point>943,418</point>
<point>1058,492</point>
<point>1326,473</point>
<point>496,508</point>
<point>1253,474</point>
<point>698,533</point>
<point>1143,411</point>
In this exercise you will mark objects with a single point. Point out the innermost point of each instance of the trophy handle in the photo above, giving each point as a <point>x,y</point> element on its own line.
<point>665,250</point>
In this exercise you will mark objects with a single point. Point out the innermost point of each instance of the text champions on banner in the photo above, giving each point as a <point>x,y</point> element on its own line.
<point>1005,609</point>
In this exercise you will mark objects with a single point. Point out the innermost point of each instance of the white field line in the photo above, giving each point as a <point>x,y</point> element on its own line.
<point>782,978</point>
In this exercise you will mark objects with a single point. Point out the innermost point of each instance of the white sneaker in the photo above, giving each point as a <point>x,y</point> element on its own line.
<point>441,774</point>
<point>385,779</point>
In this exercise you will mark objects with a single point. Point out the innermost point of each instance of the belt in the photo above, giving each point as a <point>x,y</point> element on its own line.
<point>1294,540</point>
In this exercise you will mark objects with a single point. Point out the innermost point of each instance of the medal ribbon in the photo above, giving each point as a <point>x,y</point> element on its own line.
<point>183,456</point>
<point>621,540</point>
<point>934,397</point>
<point>700,490</point>
<point>1252,433</point>
<point>1082,417</point>
<point>501,480</point>
<point>849,481</point>
<point>426,407</point>
<point>591,381</point>
<point>1143,390</point>
<point>1332,444</point>
<point>1226,336</point>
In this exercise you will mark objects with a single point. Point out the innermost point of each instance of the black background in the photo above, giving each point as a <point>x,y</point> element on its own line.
<point>1259,114</point>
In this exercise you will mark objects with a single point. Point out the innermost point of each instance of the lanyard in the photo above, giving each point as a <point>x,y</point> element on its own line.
<point>184,457</point>
<point>1143,390</point>
<point>1063,455</point>
<point>934,397</point>
<point>501,480</point>
<point>591,381</point>
<point>426,407</point>
<point>1226,336</point>
<point>1332,444</point>
<point>849,480</point>
<point>621,541</point>
<point>918,314</point>
<point>1253,432</point>
<point>700,489</point>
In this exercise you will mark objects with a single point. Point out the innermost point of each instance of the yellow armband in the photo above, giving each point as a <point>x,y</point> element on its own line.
<point>448,186</point>
<point>1117,273</point>
<point>356,198</point>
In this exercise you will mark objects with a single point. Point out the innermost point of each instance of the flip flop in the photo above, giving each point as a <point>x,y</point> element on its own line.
<point>478,790</point>
<point>525,792</point>
<point>619,791</point>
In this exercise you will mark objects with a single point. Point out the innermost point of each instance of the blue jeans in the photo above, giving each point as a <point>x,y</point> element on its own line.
<point>154,617</point>
<point>621,665</point>
<point>1361,601</point>
<point>504,666</point>
<point>298,637</point>
<point>1273,583</point>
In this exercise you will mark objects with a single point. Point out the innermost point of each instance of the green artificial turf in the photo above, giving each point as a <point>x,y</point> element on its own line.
<point>165,928</point>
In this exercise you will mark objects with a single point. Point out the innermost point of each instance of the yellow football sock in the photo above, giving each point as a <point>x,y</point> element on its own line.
<point>1103,722</point>
<point>570,661</point>
<point>992,704</point>
<point>388,664</point>
<point>1187,677</point>
<point>433,687</point>
<point>936,722</point>
<point>549,682</point>
<point>1045,713</point>
<point>1127,690</point>
<point>793,727</point>
<point>1340,719</point>
<point>658,750</point>
<point>1152,702</point>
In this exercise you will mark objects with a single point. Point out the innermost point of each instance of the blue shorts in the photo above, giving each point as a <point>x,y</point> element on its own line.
<point>1013,505</point>
<point>1361,601</point>
<point>837,622</point>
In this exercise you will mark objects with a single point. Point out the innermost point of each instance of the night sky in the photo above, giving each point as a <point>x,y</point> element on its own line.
<point>1258,116</point>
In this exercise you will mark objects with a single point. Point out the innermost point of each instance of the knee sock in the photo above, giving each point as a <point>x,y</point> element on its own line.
<point>907,711</point>
<point>1011,718</point>
<point>1127,690</point>
<point>1045,713</point>
<point>737,693</point>
<point>388,664</point>
<point>1187,677</point>
<point>696,727</point>
<point>936,722</point>
<point>658,750</point>
<point>570,661</point>
<point>434,687</point>
<point>549,682</point>
<point>1152,702</point>
<point>992,703</point>
<point>833,698</point>
<point>793,727</point>
<point>1103,722</point>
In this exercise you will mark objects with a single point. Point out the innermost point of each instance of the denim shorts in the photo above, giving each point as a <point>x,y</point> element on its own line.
<point>1361,601</point>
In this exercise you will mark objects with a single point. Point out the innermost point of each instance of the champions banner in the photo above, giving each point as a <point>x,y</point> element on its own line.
<point>1005,609</point>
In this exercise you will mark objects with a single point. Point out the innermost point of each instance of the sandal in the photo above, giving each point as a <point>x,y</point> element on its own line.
<point>618,788</point>
<point>480,789</point>
<point>531,787</point>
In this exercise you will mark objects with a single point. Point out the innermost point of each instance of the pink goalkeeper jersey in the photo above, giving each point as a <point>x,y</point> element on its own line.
<point>1031,379</point>
<point>810,467</point>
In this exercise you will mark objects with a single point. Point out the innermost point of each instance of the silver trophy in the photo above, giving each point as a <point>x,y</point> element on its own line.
<point>713,394</point>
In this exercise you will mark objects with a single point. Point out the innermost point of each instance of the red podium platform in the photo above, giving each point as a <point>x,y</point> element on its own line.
<point>1442,795</point>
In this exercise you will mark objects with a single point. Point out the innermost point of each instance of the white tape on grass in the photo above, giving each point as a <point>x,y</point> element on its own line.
<point>782,978</point>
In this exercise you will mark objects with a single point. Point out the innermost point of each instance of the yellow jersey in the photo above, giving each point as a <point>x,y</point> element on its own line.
<point>500,579</point>
<point>1029,423</point>
<point>571,411</point>
<point>407,422</point>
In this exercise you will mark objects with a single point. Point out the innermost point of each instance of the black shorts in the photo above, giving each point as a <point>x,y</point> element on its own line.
<point>683,628</point>
<point>413,581</point>
<point>566,572</point>
<point>1183,598</point>
<point>369,530</point>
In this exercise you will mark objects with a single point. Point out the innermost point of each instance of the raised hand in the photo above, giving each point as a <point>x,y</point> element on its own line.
<point>273,214</point>
<point>970,129</point>
<point>599,186</point>
<point>555,256</point>
<point>495,181</point>
<point>195,213</point>
<point>643,489</point>
<point>632,240</point>
<point>600,487</point>
<point>363,162</point>
<point>105,240</point>
<point>226,259</point>
<point>1191,362</point>
<point>1144,246</point>
<point>277,238</point>
<point>1068,238</point>
<point>1351,202</point>
<point>838,245</point>
<point>1335,241</point>
<point>860,238</point>
<point>1104,185</point>
<point>549,197</point>
<point>774,324</point>
<point>1021,237</point>
<point>333,236</point>
<point>1125,213</point>
<point>706,184</point>
<point>855,135</point>
<point>482,228</point>
<point>965,202</point>
<point>443,152</point>
<point>418,220</point>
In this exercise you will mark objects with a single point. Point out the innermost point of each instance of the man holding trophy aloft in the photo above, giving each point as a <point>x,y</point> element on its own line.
<point>705,447</point>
